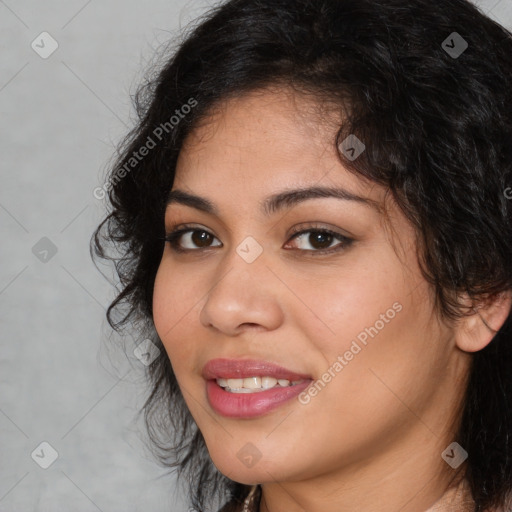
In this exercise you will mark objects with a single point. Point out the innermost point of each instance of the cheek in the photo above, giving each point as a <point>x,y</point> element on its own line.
<point>174,294</point>
<point>389,348</point>
<point>345,303</point>
<point>374,319</point>
<point>163,310</point>
<point>172,303</point>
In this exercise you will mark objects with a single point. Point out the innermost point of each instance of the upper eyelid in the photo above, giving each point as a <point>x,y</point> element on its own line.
<point>186,227</point>
<point>181,230</point>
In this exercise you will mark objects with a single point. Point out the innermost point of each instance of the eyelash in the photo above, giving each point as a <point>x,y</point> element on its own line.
<point>174,236</point>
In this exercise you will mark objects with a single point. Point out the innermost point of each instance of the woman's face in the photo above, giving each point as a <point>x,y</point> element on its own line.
<point>349,312</point>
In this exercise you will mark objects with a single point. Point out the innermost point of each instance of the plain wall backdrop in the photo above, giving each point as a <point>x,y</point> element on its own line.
<point>64,380</point>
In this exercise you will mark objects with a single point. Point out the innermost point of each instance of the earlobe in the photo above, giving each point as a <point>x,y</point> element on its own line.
<point>474,332</point>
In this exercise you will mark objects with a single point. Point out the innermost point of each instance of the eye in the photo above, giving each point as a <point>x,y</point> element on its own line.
<point>314,241</point>
<point>320,241</point>
<point>190,239</point>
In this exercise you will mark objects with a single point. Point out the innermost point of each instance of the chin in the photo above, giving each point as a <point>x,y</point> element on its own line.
<point>250,472</point>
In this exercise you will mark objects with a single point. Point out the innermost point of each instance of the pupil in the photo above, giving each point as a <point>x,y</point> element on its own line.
<point>320,239</point>
<point>202,240</point>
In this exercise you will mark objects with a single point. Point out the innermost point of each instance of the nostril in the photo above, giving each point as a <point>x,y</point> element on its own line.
<point>253,326</point>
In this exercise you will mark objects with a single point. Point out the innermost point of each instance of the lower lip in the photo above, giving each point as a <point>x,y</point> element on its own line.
<point>250,405</point>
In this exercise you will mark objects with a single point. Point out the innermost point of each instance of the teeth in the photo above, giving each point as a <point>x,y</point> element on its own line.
<point>268,382</point>
<point>254,384</point>
<point>235,383</point>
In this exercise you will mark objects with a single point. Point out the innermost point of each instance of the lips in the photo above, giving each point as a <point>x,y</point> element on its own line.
<point>249,405</point>
<point>245,368</point>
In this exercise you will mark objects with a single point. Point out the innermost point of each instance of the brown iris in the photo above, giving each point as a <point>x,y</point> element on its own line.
<point>320,240</point>
<point>201,238</point>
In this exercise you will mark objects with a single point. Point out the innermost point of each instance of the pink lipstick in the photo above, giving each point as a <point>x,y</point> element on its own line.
<point>243,388</point>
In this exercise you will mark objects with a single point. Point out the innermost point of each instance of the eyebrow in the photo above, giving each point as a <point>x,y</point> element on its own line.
<point>276,202</point>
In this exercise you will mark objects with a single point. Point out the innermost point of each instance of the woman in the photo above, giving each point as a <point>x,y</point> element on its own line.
<point>316,232</point>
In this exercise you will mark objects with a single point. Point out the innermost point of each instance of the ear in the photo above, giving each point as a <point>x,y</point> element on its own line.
<point>475,332</point>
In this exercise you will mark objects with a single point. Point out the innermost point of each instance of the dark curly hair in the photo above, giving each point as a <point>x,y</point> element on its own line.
<point>437,124</point>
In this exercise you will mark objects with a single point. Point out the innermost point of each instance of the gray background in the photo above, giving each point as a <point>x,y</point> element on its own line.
<point>64,378</point>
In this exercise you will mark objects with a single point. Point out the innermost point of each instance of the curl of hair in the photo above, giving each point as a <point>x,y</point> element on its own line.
<point>438,134</point>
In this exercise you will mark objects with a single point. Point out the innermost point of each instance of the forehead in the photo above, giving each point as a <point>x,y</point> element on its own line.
<point>266,140</point>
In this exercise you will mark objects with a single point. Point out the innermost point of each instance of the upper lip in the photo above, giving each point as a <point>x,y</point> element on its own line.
<point>244,368</point>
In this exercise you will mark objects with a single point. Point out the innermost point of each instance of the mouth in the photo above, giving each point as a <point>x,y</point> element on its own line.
<point>255,384</point>
<point>241,388</point>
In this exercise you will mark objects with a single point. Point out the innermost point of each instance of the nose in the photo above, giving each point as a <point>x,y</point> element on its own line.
<point>243,297</point>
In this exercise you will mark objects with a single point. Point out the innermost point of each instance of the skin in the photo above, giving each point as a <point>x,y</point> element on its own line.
<point>371,439</point>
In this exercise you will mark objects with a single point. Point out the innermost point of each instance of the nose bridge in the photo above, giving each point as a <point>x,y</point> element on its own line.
<point>242,272</point>
<point>241,294</point>
<point>244,259</point>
